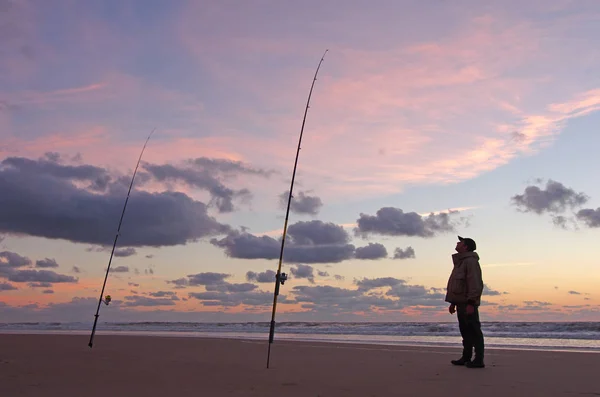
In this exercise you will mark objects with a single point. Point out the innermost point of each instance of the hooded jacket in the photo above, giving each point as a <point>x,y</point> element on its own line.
<point>465,284</point>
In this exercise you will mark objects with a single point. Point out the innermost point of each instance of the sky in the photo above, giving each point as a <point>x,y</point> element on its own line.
<point>428,120</point>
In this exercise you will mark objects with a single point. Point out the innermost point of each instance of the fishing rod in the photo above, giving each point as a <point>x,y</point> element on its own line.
<point>107,299</point>
<point>280,278</point>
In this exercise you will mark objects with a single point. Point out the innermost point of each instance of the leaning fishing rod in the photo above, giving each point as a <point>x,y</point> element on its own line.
<point>280,278</point>
<point>107,299</point>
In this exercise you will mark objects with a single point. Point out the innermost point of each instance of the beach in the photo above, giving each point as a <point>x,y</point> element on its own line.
<point>63,365</point>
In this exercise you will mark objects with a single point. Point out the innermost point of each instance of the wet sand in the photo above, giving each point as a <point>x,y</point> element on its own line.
<point>123,366</point>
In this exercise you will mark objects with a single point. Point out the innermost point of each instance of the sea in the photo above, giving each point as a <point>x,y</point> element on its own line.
<point>549,336</point>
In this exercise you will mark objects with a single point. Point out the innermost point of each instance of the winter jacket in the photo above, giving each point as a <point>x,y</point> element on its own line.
<point>465,284</point>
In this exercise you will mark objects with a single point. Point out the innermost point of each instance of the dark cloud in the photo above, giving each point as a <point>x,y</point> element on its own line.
<point>125,252</point>
<point>208,174</point>
<point>317,233</point>
<point>590,217</point>
<point>137,300</point>
<point>322,274</point>
<point>119,269</point>
<point>574,293</point>
<point>492,292</point>
<point>394,222</point>
<point>66,211</point>
<point>7,287</point>
<point>309,242</point>
<point>133,284</point>
<point>98,178</point>
<point>248,246</point>
<point>76,269</point>
<point>162,294</point>
<point>303,271</point>
<point>47,291</point>
<point>301,203</point>
<point>150,256</point>
<point>232,299</point>
<point>371,251</point>
<point>228,168</point>
<point>339,277</point>
<point>206,279</point>
<point>229,287</point>
<point>555,198</point>
<point>46,263</point>
<point>13,260</point>
<point>267,276</point>
<point>32,276</point>
<point>40,285</point>
<point>406,253</point>
<point>367,284</point>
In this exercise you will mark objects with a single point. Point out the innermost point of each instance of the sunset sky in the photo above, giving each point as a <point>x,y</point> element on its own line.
<point>429,119</point>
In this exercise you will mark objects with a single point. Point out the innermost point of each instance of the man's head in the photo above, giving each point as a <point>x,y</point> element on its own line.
<point>465,244</point>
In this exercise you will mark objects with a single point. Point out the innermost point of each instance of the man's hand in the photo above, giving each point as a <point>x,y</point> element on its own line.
<point>452,308</point>
<point>470,309</point>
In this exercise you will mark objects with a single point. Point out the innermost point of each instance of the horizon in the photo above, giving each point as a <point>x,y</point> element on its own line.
<point>427,121</point>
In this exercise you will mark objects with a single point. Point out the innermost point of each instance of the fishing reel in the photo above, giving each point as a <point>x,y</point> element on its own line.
<point>106,300</point>
<point>283,278</point>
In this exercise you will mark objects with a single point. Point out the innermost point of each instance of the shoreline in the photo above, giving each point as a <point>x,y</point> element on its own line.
<point>305,338</point>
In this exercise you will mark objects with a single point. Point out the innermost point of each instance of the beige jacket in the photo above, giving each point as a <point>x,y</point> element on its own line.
<point>465,284</point>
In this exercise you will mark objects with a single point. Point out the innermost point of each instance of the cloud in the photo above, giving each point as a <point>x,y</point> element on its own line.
<point>267,276</point>
<point>309,242</point>
<point>207,174</point>
<point>322,274</point>
<point>7,287</point>
<point>492,292</point>
<point>68,212</point>
<point>371,251</point>
<point>555,198</point>
<point>13,260</point>
<point>125,252</point>
<point>398,296</point>
<point>574,293</point>
<point>76,269</point>
<point>45,263</point>
<point>407,253</point>
<point>394,222</point>
<point>206,278</point>
<point>590,217</point>
<point>47,291</point>
<point>119,269</point>
<point>231,287</point>
<point>137,300</point>
<point>232,299</point>
<point>301,203</point>
<point>162,294</point>
<point>303,271</point>
<point>367,284</point>
<point>40,285</point>
<point>23,276</point>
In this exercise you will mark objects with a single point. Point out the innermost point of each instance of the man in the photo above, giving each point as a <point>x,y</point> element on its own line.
<point>464,290</point>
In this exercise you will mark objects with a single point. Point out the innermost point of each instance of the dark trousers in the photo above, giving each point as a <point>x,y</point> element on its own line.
<point>470,330</point>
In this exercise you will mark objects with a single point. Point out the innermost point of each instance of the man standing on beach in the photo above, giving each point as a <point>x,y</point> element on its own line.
<point>464,290</point>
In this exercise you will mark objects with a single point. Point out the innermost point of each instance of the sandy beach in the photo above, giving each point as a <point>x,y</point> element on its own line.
<point>63,365</point>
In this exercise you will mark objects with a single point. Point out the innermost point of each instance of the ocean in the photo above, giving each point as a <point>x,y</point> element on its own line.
<point>563,336</point>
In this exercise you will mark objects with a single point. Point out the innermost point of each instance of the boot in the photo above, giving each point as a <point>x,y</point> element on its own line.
<point>461,361</point>
<point>477,363</point>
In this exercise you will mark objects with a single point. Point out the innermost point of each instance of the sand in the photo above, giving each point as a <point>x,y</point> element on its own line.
<point>122,366</point>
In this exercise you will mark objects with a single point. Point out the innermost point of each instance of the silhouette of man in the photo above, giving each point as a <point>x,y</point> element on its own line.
<point>464,290</point>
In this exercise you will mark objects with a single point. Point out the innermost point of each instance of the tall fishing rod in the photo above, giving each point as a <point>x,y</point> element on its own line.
<point>280,278</point>
<point>107,299</point>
